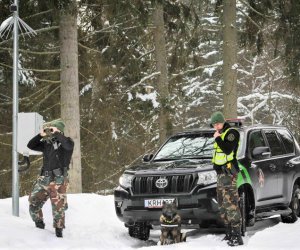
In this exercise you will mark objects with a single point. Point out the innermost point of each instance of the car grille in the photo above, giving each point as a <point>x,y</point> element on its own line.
<point>176,184</point>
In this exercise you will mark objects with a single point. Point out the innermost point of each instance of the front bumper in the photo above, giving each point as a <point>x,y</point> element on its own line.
<point>198,207</point>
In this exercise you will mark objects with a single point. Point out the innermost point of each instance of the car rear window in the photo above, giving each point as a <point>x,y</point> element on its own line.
<point>287,140</point>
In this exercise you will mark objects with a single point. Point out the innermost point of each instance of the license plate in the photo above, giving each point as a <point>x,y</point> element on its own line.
<point>156,203</point>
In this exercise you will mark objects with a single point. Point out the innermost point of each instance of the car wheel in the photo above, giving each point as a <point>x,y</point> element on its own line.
<point>294,206</point>
<point>251,218</point>
<point>242,205</point>
<point>139,230</point>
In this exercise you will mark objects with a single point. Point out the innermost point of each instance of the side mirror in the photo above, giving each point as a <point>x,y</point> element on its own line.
<point>261,153</point>
<point>147,158</point>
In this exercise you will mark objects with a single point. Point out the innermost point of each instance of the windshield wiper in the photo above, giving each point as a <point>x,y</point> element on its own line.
<point>167,159</point>
<point>184,157</point>
<point>197,157</point>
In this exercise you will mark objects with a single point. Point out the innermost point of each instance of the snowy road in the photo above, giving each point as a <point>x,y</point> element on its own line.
<point>92,224</point>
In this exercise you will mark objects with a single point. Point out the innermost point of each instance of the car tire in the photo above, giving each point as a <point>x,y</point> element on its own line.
<point>242,205</point>
<point>294,206</point>
<point>251,218</point>
<point>139,230</point>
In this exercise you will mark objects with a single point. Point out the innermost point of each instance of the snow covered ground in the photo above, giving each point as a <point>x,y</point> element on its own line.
<point>92,224</point>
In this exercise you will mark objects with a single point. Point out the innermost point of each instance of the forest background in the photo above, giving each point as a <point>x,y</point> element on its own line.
<point>123,99</point>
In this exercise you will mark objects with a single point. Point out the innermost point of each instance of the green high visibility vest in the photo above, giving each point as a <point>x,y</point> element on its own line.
<point>219,157</point>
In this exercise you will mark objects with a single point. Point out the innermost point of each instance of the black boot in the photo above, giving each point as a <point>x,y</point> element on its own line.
<point>58,232</point>
<point>40,224</point>
<point>227,232</point>
<point>236,238</point>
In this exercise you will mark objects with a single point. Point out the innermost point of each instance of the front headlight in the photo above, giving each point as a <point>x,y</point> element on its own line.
<point>125,180</point>
<point>206,178</point>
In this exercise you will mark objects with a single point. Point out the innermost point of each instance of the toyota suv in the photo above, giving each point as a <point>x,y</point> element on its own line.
<point>181,170</point>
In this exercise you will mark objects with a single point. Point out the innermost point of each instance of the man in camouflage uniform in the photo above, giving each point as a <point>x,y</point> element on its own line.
<point>53,180</point>
<point>226,165</point>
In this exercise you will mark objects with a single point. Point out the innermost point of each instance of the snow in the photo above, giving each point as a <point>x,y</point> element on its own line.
<point>5,26</point>
<point>91,223</point>
<point>113,131</point>
<point>207,55</point>
<point>149,97</point>
<point>86,88</point>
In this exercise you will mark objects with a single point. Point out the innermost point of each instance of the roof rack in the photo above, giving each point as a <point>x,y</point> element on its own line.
<point>236,122</point>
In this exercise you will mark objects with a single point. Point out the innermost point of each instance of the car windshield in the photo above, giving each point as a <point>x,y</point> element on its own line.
<point>187,146</point>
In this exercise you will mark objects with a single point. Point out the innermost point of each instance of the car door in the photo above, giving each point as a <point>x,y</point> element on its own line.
<point>288,169</point>
<point>263,171</point>
<point>275,164</point>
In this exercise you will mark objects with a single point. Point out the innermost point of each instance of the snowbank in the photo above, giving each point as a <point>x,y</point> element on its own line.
<point>91,223</point>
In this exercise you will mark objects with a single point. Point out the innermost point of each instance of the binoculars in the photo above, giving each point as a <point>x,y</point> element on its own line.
<point>48,130</point>
<point>49,137</point>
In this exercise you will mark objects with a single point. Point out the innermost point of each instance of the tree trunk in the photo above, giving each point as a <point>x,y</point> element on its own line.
<point>161,66</point>
<point>229,59</point>
<point>70,89</point>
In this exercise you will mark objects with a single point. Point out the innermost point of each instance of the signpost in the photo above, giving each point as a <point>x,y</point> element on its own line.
<point>15,23</point>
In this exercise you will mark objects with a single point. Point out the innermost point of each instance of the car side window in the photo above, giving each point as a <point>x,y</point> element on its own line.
<point>274,143</point>
<point>287,140</point>
<point>256,140</point>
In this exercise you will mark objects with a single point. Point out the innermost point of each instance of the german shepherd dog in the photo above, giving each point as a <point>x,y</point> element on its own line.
<point>170,225</point>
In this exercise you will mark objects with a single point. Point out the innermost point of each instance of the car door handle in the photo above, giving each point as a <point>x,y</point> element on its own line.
<point>272,167</point>
<point>266,153</point>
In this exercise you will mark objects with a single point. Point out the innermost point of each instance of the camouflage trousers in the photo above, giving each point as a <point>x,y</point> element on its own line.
<point>228,200</point>
<point>54,188</point>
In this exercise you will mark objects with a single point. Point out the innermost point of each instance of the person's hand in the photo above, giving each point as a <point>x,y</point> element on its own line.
<point>217,134</point>
<point>42,132</point>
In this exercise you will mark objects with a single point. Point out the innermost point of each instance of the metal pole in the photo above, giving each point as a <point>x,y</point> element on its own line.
<point>15,174</point>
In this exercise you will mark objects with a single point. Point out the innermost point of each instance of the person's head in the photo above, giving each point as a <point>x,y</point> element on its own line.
<point>217,120</point>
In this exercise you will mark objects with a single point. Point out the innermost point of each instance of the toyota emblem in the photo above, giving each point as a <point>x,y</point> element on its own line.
<point>162,182</point>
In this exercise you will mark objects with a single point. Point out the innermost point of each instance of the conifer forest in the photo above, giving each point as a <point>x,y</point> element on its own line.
<point>126,74</point>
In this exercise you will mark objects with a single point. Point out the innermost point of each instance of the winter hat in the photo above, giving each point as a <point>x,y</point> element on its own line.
<point>58,124</point>
<point>217,117</point>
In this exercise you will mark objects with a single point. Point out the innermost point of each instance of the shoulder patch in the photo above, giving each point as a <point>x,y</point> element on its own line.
<point>231,137</point>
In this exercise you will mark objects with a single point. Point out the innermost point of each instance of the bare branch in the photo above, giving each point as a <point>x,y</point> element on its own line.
<point>250,19</point>
<point>33,52</point>
<point>37,31</point>
<point>143,80</point>
<point>38,14</point>
<point>195,69</point>
<point>85,47</point>
<point>45,80</point>
<point>106,29</point>
<point>46,110</point>
<point>5,171</point>
<point>254,10</point>
<point>5,65</point>
<point>42,70</point>
<point>35,70</point>
<point>119,170</point>
<point>46,97</point>
<point>5,144</point>
<point>95,136</point>
<point>38,93</point>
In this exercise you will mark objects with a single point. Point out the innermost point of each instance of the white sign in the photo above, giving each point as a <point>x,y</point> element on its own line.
<point>29,125</point>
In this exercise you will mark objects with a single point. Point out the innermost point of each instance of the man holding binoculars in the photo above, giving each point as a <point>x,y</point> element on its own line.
<point>53,180</point>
